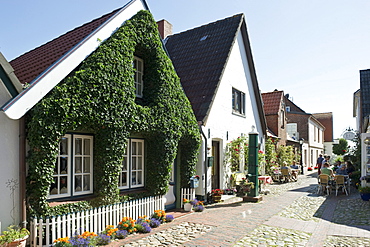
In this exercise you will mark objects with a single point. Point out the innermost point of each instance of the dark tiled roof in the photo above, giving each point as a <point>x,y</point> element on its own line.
<point>293,107</point>
<point>199,56</point>
<point>31,64</point>
<point>365,95</point>
<point>272,102</point>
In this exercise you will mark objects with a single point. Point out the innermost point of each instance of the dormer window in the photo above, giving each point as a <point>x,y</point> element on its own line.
<point>138,65</point>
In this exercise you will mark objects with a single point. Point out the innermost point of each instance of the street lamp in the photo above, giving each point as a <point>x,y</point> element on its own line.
<point>300,147</point>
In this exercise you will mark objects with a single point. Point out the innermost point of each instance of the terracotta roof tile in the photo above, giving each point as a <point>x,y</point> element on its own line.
<point>31,64</point>
<point>272,102</point>
<point>199,56</point>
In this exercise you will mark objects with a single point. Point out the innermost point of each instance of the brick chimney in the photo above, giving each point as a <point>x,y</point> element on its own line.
<point>165,28</point>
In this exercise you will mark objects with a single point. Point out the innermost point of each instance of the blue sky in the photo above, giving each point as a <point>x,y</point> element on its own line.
<point>312,50</point>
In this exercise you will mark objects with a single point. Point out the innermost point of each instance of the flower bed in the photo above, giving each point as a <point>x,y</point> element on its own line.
<point>125,227</point>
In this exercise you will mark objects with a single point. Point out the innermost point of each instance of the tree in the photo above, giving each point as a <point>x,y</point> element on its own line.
<point>341,148</point>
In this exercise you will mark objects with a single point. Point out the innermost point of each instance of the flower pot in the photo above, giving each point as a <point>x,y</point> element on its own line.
<point>365,196</point>
<point>216,198</point>
<point>18,242</point>
<point>188,207</point>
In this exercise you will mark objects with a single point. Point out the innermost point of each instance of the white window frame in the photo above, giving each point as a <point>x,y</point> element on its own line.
<point>238,102</point>
<point>138,65</point>
<point>135,165</point>
<point>71,165</point>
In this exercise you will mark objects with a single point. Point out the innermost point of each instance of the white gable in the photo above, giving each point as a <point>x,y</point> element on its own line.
<point>38,88</point>
<point>236,75</point>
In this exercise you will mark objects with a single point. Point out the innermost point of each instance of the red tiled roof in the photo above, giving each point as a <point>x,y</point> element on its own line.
<point>272,102</point>
<point>31,64</point>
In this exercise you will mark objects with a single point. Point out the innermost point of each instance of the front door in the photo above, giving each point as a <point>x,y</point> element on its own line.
<point>170,197</point>
<point>216,165</point>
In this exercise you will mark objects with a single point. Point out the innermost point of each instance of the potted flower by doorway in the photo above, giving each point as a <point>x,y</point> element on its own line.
<point>244,187</point>
<point>187,205</point>
<point>364,192</point>
<point>216,195</point>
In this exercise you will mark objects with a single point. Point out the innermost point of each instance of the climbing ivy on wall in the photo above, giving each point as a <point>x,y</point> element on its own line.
<point>99,98</point>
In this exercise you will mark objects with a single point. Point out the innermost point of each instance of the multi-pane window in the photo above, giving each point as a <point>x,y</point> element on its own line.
<point>132,171</point>
<point>138,65</point>
<point>238,101</point>
<point>73,168</point>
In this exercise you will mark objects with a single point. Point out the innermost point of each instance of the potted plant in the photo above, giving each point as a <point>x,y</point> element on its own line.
<point>364,192</point>
<point>14,236</point>
<point>187,204</point>
<point>244,187</point>
<point>198,206</point>
<point>216,195</point>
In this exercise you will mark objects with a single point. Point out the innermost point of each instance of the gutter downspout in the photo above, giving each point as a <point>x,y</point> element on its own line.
<point>205,160</point>
<point>22,170</point>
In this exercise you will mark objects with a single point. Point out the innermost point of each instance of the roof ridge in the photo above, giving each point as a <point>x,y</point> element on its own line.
<point>208,24</point>
<point>67,32</point>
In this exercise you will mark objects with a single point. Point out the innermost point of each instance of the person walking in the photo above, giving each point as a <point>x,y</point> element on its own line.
<point>319,163</point>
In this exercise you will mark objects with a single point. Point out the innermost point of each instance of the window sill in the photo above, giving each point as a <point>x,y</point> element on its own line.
<point>62,201</point>
<point>238,114</point>
<point>132,191</point>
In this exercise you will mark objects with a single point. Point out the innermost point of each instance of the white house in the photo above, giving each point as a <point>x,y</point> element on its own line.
<point>215,65</point>
<point>12,137</point>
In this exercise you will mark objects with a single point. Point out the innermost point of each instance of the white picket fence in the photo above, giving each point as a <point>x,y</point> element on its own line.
<point>187,193</point>
<point>45,231</point>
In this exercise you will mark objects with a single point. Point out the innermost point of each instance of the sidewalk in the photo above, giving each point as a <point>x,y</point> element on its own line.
<point>239,224</point>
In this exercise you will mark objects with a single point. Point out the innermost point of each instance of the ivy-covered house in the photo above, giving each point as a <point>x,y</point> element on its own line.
<point>215,64</point>
<point>102,115</point>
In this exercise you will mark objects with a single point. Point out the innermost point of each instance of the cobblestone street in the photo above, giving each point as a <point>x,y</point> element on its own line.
<point>291,215</point>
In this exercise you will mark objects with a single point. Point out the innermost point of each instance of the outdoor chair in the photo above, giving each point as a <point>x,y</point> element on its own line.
<point>340,183</point>
<point>323,184</point>
<point>286,174</point>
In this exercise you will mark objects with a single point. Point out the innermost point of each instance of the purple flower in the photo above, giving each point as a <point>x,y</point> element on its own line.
<point>103,239</point>
<point>154,222</point>
<point>121,234</point>
<point>147,227</point>
<point>198,208</point>
<point>194,202</point>
<point>169,218</point>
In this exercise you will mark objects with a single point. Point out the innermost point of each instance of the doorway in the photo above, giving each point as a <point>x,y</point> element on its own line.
<point>215,178</point>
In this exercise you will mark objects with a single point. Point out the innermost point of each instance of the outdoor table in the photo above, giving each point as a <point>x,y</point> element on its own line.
<point>265,180</point>
<point>276,176</point>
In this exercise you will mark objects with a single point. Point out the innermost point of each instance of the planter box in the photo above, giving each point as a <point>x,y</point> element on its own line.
<point>365,196</point>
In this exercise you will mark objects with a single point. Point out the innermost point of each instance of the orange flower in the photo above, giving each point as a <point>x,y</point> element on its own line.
<point>64,240</point>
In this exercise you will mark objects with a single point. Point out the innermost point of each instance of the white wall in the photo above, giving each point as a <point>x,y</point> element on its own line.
<point>9,163</point>
<point>223,125</point>
<point>316,144</point>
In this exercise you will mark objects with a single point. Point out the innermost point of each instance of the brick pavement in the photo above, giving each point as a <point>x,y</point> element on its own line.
<point>232,221</point>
